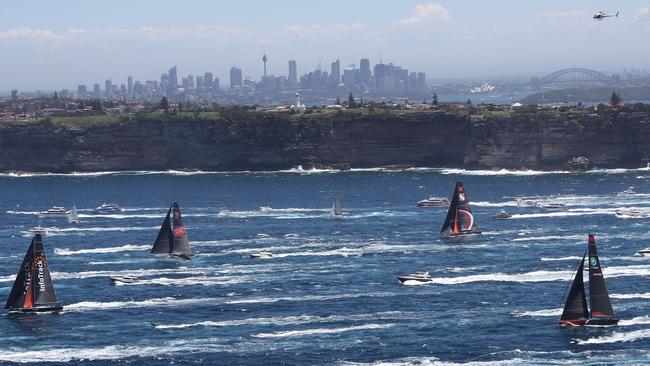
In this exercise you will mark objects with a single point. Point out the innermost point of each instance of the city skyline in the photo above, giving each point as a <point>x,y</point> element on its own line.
<point>52,46</point>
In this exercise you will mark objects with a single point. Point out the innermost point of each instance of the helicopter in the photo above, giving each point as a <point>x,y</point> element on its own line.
<point>602,15</point>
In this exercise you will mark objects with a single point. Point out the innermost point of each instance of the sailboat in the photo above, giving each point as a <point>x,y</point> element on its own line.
<point>575,311</point>
<point>73,216</point>
<point>33,290</point>
<point>460,220</point>
<point>337,211</point>
<point>172,241</point>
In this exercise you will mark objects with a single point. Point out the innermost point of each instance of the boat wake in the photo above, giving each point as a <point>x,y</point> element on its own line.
<point>123,248</point>
<point>538,313</point>
<point>320,331</point>
<point>616,337</point>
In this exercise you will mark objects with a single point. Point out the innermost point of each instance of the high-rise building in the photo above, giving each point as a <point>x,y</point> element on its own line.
<point>335,74</point>
<point>172,82</point>
<point>129,86</point>
<point>199,82</point>
<point>108,89</point>
<point>82,90</point>
<point>96,91</point>
<point>349,76</point>
<point>293,72</point>
<point>235,77</point>
<point>14,95</point>
<point>215,85</point>
<point>364,72</point>
<point>422,80</point>
<point>208,79</point>
<point>123,90</point>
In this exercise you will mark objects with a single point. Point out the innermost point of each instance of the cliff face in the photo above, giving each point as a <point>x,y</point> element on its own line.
<point>266,141</point>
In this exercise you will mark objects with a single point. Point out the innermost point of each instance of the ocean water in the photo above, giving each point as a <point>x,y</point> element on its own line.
<point>330,295</point>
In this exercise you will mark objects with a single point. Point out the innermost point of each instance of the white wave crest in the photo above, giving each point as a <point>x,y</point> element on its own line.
<point>616,337</point>
<point>318,331</point>
<point>123,248</point>
<point>495,204</point>
<point>536,313</point>
<point>635,321</point>
<point>158,302</point>
<point>549,259</point>
<point>631,296</point>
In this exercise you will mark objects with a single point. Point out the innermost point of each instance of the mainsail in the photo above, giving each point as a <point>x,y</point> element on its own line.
<point>601,306</point>
<point>337,211</point>
<point>575,310</point>
<point>164,240</point>
<point>460,219</point>
<point>181,245</point>
<point>33,289</point>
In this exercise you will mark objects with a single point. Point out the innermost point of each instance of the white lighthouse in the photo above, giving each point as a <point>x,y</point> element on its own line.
<point>297,106</point>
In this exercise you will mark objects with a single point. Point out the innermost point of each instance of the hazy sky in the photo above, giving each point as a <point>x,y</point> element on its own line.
<point>59,44</point>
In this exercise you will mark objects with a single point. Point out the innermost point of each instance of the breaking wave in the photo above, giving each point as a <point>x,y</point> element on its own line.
<point>616,337</point>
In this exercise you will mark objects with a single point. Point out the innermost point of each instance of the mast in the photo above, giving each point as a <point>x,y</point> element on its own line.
<point>575,310</point>
<point>164,240</point>
<point>460,219</point>
<point>33,289</point>
<point>180,242</point>
<point>601,306</point>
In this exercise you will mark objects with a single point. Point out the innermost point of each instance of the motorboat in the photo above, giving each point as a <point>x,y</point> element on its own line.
<point>261,255</point>
<point>38,230</point>
<point>124,279</point>
<point>108,208</point>
<point>643,252</point>
<point>552,206</point>
<point>627,192</point>
<point>631,213</point>
<point>55,211</point>
<point>526,203</point>
<point>434,202</point>
<point>417,277</point>
<point>503,214</point>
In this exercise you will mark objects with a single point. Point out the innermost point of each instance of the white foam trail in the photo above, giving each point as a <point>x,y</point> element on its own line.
<point>495,204</point>
<point>500,172</point>
<point>630,296</point>
<point>123,216</point>
<point>536,313</point>
<point>616,337</point>
<point>311,298</point>
<point>635,321</point>
<point>415,283</point>
<point>318,331</point>
<point>158,302</point>
<point>568,213</point>
<point>12,212</point>
<point>54,231</point>
<point>550,237</point>
<point>547,259</point>
<point>123,248</point>
<point>191,281</point>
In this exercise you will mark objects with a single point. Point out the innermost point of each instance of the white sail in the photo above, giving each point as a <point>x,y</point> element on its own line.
<point>337,211</point>
<point>73,217</point>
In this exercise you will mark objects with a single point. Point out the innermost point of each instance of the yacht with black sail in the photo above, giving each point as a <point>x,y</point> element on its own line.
<point>172,238</point>
<point>460,220</point>
<point>33,291</point>
<point>576,312</point>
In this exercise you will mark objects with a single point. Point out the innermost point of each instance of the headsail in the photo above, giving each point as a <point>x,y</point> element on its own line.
<point>164,240</point>
<point>33,289</point>
<point>73,216</point>
<point>575,310</point>
<point>601,306</point>
<point>337,211</point>
<point>460,219</point>
<point>181,244</point>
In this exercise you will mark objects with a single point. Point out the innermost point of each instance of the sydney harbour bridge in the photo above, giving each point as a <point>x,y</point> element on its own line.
<point>573,75</point>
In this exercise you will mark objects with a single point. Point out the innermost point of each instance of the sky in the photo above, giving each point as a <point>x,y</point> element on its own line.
<point>51,45</point>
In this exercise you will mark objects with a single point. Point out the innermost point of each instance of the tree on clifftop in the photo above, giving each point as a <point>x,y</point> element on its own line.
<point>164,104</point>
<point>351,102</point>
<point>615,99</point>
<point>434,102</point>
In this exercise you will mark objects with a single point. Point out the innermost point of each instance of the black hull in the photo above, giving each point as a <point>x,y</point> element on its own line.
<point>40,309</point>
<point>602,321</point>
<point>460,235</point>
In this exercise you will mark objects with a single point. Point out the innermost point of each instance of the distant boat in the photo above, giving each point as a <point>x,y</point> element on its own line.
<point>417,277</point>
<point>575,311</point>
<point>261,255</point>
<point>33,290</point>
<point>124,279</point>
<point>337,211</point>
<point>501,215</point>
<point>434,202</point>
<point>630,191</point>
<point>174,241</point>
<point>633,213</point>
<point>55,211</point>
<point>643,252</point>
<point>526,203</point>
<point>552,206</point>
<point>107,208</point>
<point>73,217</point>
<point>460,220</point>
<point>38,230</point>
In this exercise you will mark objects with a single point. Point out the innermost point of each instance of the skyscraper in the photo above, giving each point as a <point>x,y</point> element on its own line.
<point>129,86</point>
<point>335,74</point>
<point>235,77</point>
<point>364,72</point>
<point>172,82</point>
<point>108,89</point>
<point>208,78</point>
<point>293,72</point>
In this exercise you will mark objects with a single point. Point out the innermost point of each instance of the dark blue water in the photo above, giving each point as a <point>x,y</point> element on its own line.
<point>330,295</point>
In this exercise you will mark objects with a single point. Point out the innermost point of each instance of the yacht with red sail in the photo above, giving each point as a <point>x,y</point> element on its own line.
<point>576,311</point>
<point>460,220</point>
<point>172,241</point>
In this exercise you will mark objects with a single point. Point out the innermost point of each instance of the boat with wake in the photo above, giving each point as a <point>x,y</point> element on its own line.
<point>416,277</point>
<point>502,215</point>
<point>576,311</point>
<point>632,213</point>
<point>261,255</point>
<point>552,206</point>
<point>432,202</point>
<point>54,211</point>
<point>108,208</point>
<point>124,279</point>
<point>33,290</point>
<point>643,252</point>
<point>172,241</point>
<point>459,220</point>
<point>629,191</point>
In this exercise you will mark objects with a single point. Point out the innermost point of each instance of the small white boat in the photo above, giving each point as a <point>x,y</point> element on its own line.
<point>417,276</point>
<point>108,208</point>
<point>73,217</point>
<point>434,202</point>
<point>337,211</point>
<point>501,215</point>
<point>261,255</point>
<point>38,230</point>
<point>628,192</point>
<point>55,211</point>
<point>552,206</point>
<point>124,279</point>
<point>643,252</point>
<point>526,203</point>
<point>631,213</point>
